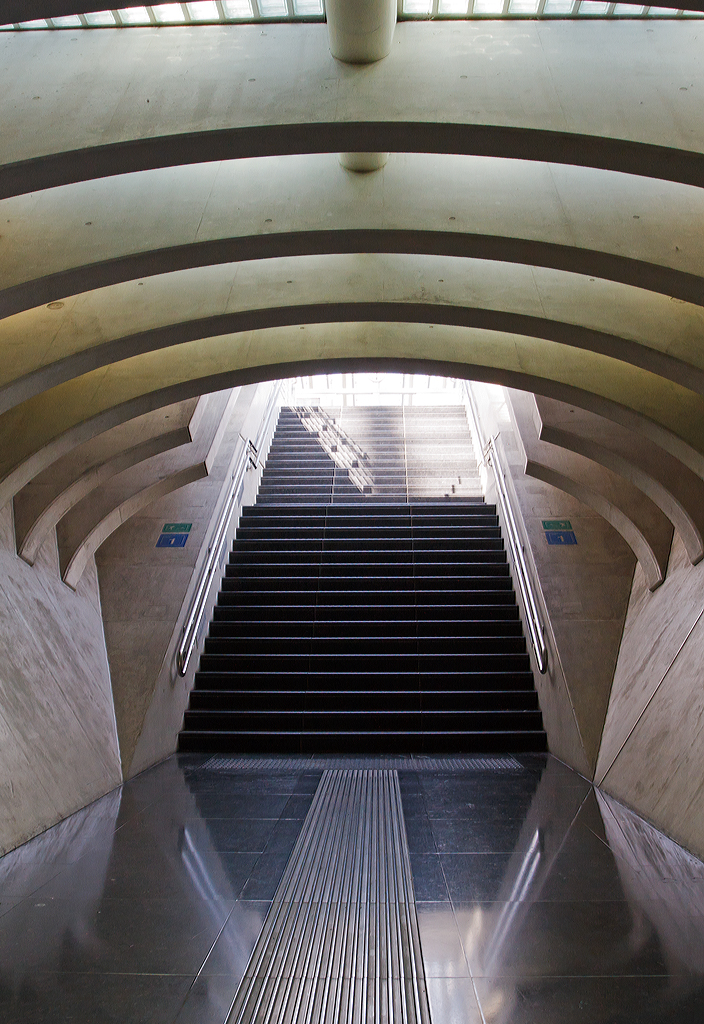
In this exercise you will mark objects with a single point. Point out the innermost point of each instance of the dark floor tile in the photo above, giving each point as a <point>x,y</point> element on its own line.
<point>243,835</point>
<point>148,872</point>
<point>478,876</point>
<point>226,805</point>
<point>584,869</point>
<point>166,936</point>
<point>308,783</point>
<point>413,805</point>
<point>7,903</point>
<point>589,816</point>
<point>420,836</point>
<point>230,954</point>
<point>20,878</point>
<point>428,879</point>
<point>562,939</point>
<point>462,835</point>
<point>409,782</point>
<point>92,998</point>
<point>297,806</point>
<point>242,784</point>
<point>453,1001</point>
<point>209,1000</point>
<point>443,954</point>
<point>590,1001</point>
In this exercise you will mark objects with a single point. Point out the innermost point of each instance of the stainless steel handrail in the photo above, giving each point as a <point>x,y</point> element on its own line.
<point>491,457</point>
<point>248,457</point>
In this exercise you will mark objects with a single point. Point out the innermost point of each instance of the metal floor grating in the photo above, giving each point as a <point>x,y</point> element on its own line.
<point>398,763</point>
<point>341,941</point>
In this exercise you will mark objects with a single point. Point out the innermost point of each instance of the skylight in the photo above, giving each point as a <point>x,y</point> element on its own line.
<point>209,12</point>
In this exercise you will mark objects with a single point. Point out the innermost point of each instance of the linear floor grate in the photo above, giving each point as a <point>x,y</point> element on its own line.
<point>341,942</point>
<point>413,764</point>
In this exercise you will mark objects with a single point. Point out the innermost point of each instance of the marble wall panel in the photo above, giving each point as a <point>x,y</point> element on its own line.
<point>658,770</point>
<point>58,740</point>
<point>657,625</point>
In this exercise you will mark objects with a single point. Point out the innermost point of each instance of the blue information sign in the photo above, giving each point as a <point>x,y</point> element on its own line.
<point>172,540</point>
<point>560,537</point>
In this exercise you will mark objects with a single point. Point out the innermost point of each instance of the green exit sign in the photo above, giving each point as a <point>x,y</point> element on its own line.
<point>557,524</point>
<point>177,527</point>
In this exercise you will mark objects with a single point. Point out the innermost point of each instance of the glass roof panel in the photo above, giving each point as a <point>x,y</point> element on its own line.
<point>134,16</point>
<point>169,14</point>
<point>452,7</point>
<point>237,8</point>
<point>203,10</point>
<point>488,6</point>
<point>593,7</point>
<point>207,11</point>
<point>308,7</point>
<point>99,18</point>
<point>417,6</point>
<point>273,8</point>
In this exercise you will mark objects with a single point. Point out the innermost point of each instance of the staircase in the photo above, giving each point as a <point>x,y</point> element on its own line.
<point>367,605</point>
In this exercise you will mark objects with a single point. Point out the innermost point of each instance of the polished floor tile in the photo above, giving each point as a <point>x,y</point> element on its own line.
<point>539,899</point>
<point>60,998</point>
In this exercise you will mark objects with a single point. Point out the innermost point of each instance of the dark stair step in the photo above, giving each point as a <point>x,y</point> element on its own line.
<point>350,682</point>
<point>397,741</point>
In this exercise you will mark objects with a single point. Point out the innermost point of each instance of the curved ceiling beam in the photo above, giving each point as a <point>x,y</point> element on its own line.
<point>239,322</point>
<point>570,258</point>
<point>45,428</point>
<point>638,543</point>
<point>672,485</point>
<point>28,10</point>
<point>624,155</point>
<point>32,536</point>
<point>684,519</point>
<point>74,561</point>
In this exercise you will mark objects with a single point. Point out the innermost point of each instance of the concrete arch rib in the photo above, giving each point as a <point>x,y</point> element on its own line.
<point>30,539</point>
<point>531,252</point>
<point>74,561</point>
<point>572,336</point>
<point>52,424</point>
<point>684,511</point>
<point>611,154</point>
<point>653,569</point>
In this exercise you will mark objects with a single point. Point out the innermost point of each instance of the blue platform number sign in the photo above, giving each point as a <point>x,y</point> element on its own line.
<point>174,535</point>
<point>560,537</point>
<point>559,531</point>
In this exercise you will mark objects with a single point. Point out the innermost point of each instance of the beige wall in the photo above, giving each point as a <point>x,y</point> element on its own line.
<point>58,742</point>
<point>653,745</point>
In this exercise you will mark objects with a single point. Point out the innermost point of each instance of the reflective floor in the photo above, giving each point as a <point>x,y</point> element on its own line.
<point>539,900</point>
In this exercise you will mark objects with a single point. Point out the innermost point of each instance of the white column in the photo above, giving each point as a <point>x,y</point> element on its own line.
<point>361,32</point>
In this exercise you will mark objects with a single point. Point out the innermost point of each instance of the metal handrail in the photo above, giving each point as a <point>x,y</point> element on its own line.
<point>248,458</point>
<point>491,456</point>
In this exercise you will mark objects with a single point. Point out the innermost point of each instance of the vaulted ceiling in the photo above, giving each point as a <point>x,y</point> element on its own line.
<point>175,220</point>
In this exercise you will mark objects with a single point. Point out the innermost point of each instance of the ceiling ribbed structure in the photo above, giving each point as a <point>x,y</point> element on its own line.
<point>175,221</point>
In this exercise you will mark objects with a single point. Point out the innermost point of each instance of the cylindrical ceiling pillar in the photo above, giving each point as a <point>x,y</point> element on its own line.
<point>361,32</point>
